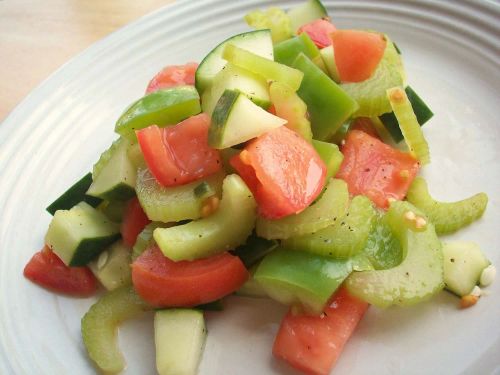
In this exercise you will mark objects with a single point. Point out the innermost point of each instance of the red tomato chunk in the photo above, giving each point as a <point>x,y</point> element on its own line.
<point>283,171</point>
<point>134,221</point>
<point>319,31</point>
<point>171,76</point>
<point>313,344</point>
<point>163,282</point>
<point>372,168</point>
<point>47,270</point>
<point>179,154</point>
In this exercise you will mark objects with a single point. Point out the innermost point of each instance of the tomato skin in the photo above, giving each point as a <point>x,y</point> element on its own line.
<point>164,283</point>
<point>319,31</point>
<point>283,171</point>
<point>313,344</point>
<point>47,270</point>
<point>134,221</point>
<point>179,154</point>
<point>357,53</point>
<point>372,168</point>
<point>173,75</point>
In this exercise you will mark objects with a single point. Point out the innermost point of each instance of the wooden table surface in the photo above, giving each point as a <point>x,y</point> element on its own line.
<point>38,36</point>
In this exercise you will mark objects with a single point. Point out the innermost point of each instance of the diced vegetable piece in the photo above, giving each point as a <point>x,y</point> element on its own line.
<point>75,194</point>
<point>463,264</point>
<point>134,221</point>
<point>113,210</point>
<point>383,249</point>
<point>258,42</point>
<point>135,156</point>
<point>306,12</point>
<point>331,155</point>
<point>254,249</point>
<point>252,288</point>
<point>289,106</point>
<point>274,19</point>
<point>357,53</point>
<point>236,119</point>
<point>374,169</point>
<point>179,154</point>
<point>232,77</point>
<point>165,283</point>
<point>330,207</point>
<point>366,125</point>
<point>345,238</point>
<point>47,270</point>
<point>162,107</point>
<point>328,56</point>
<point>329,105</point>
<point>319,31</point>
<point>421,110</point>
<point>268,69</point>
<point>266,164</point>
<point>412,133</point>
<point>313,344</point>
<point>302,279</point>
<point>172,76</point>
<point>175,203</point>
<point>371,94</point>
<point>225,229</point>
<point>287,51</point>
<point>100,324</point>
<point>145,238</point>
<point>80,234</point>
<point>112,267</point>
<point>179,339</point>
<point>226,156</point>
<point>448,217</point>
<point>417,278</point>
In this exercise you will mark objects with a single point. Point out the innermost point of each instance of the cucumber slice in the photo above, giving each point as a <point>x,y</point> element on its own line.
<point>383,249</point>
<point>287,51</point>
<point>328,56</point>
<point>258,42</point>
<point>226,229</point>
<point>112,267</point>
<point>270,70</point>
<point>163,107</point>
<point>345,238</point>
<point>135,155</point>
<point>174,203</point>
<point>117,175</point>
<point>305,13</point>
<point>235,78</point>
<point>75,194</point>
<point>114,210</point>
<point>417,278</point>
<point>100,324</point>
<point>226,154</point>
<point>252,288</point>
<point>274,19</point>
<point>412,133</point>
<point>448,217</point>
<point>463,264</point>
<point>331,155</point>
<point>324,212</point>
<point>328,104</point>
<point>254,249</point>
<point>179,339</point>
<point>80,234</point>
<point>236,119</point>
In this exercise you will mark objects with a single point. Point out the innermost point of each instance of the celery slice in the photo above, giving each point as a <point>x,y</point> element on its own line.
<point>412,133</point>
<point>448,217</point>
<point>331,206</point>
<point>274,19</point>
<point>145,238</point>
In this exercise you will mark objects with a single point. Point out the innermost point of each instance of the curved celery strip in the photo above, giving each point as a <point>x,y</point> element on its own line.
<point>226,229</point>
<point>418,277</point>
<point>274,19</point>
<point>345,238</point>
<point>412,133</point>
<point>331,205</point>
<point>100,324</point>
<point>447,217</point>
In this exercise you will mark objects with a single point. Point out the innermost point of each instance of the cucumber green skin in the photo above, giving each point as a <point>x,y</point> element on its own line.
<point>382,248</point>
<point>305,13</point>
<point>422,111</point>
<point>88,249</point>
<point>220,116</point>
<point>331,155</point>
<point>301,278</point>
<point>100,323</point>
<point>287,51</point>
<point>254,249</point>
<point>120,192</point>
<point>74,195</point>
<point>331,206</point>
<point>224,230</point>
<point>417,278</point>
<point>328,104</point>
<point>345,238</point>
<point>162,108</point>
<point>447,217</point>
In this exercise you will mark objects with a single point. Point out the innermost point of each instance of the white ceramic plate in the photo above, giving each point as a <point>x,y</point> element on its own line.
<point>452,55</point>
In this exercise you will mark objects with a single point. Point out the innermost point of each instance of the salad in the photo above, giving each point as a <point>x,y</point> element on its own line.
<point>286,166</point>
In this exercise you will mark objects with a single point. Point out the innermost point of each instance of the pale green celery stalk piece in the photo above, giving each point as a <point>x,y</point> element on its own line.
<point>447,217</point>
<point>274,19</point>
<point>418,277</point>
<point>145,238</point>
<point>268,69</point>
<point>324,212</point>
